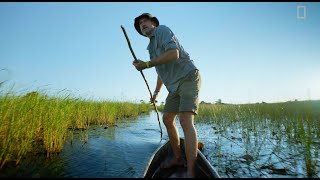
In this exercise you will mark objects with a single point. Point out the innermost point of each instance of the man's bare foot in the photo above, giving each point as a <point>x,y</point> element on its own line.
<point>171,163</point>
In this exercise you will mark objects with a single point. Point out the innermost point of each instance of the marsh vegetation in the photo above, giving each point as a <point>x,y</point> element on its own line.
<point>36,123</point>
<point>265,138</point>
<point>246,140</point>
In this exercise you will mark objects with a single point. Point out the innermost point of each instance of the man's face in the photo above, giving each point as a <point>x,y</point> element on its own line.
<point>146,26</point>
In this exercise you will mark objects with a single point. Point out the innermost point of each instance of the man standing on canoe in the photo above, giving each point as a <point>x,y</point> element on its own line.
<point>181,77</point>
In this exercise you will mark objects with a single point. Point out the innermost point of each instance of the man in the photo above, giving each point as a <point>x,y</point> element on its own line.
<point>178,73</point>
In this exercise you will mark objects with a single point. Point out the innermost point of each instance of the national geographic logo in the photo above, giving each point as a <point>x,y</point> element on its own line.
<point>301,12</point>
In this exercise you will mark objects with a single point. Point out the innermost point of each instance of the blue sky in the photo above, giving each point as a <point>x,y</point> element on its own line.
<point>246,52</point>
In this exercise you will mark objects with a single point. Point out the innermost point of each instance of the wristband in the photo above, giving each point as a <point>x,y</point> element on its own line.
<point>147,64</point>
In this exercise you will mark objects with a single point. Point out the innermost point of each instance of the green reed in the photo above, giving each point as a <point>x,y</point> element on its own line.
<point>296,122</point>
<point>38,123</point>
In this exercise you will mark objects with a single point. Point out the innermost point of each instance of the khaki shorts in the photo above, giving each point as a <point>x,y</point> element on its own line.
<point>186,98</point>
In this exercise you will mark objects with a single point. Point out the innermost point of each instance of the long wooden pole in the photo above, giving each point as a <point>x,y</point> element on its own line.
<point>135,58</point>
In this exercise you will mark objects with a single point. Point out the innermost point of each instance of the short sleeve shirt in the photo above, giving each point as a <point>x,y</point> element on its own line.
<point>170,73</point>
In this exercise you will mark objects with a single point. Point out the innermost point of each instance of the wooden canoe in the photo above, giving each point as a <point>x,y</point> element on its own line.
<point>203,167</point>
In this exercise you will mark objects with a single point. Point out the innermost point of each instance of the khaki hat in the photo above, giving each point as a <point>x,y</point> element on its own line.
<point>148,15</point>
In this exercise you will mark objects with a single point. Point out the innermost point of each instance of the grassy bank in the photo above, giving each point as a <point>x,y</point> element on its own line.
<point>36,120</point>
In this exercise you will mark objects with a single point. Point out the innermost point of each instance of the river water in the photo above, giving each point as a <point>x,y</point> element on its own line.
<point>123,151</point>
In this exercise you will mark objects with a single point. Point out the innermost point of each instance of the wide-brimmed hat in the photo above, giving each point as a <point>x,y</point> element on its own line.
<point>148,15</point>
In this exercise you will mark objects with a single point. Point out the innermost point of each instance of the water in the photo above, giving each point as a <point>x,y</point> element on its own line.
<point>123,151</point>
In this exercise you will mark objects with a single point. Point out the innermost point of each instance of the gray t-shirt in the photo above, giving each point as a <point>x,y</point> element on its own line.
<point>170,73</point>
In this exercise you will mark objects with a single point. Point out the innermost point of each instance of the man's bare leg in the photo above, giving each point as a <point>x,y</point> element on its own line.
<point>191,141</point>
<point>173,134</point>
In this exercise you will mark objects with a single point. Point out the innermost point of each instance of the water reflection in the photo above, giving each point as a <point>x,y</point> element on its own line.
<point>120,151</point>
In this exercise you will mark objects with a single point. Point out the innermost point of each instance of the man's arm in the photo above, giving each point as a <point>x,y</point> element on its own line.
<point>159,84</point>
<point>168,56</point>
<point>158,87</point>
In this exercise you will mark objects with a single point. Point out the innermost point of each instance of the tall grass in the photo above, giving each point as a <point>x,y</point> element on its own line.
<point>297,123</point>
<point>38,123</point>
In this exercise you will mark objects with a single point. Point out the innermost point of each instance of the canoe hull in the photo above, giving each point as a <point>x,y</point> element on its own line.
<point>203,167</point>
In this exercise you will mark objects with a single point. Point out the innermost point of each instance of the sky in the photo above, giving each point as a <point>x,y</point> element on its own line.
<point>246,52</point>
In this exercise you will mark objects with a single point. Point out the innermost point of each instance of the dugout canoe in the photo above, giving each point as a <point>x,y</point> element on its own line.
<point>203,167</point>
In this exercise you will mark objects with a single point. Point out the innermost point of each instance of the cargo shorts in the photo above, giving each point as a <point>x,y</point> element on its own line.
<point>186,97</point>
